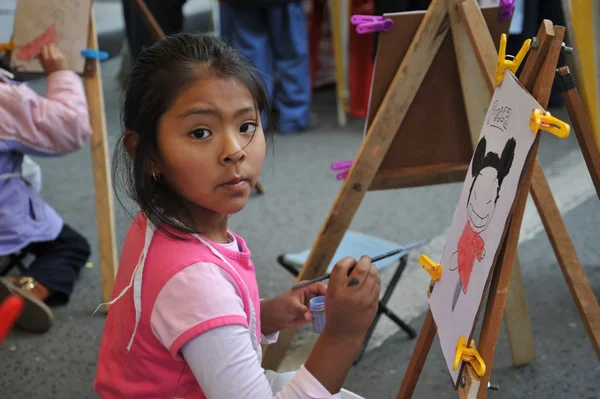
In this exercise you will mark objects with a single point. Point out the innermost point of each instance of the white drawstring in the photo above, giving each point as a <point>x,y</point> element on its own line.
<point>136,282</point>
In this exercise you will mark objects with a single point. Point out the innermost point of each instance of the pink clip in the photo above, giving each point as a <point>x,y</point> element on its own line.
<point>344,166</point>
<point>340,165</point>
<point>342,175</point>
<point>359,19</point>
<point>371,23</point>
<point>507,7</point>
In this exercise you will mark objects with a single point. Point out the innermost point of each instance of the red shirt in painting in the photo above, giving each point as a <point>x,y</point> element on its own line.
<point>470,247</point>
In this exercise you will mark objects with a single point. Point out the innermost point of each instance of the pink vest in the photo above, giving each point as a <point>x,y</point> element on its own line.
<point>148,370</point>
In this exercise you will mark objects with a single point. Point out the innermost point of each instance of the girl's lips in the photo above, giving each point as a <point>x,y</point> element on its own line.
<point>236,185</point>
<point>234,181</point>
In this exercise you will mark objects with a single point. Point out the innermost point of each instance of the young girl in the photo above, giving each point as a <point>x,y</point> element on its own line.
<point>50,125</point>
<point>186,320</point>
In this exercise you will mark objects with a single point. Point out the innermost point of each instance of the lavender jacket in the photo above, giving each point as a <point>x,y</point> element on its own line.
<point>42,126</point>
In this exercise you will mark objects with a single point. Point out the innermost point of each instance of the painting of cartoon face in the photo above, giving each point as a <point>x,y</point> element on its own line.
<point>482,202</point>
<point>488,172</point>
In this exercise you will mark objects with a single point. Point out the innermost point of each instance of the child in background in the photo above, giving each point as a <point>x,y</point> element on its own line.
<point>44,126</point>
<point>186,320</point>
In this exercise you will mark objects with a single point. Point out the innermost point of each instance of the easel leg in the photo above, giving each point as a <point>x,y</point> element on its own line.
<point>101,170</point>
<point>472,80</point>
<point>516,318</point>
<point>581,125</point>
<point>418,358</point>
<point>568,260</point>
<point>153,25</point>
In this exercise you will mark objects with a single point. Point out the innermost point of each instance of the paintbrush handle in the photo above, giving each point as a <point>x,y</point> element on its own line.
<point>307,283</point>
<point>326,276</point>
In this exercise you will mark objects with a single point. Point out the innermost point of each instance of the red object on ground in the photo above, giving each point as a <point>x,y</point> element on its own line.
<point>360,62</point>
<point>10,310</point>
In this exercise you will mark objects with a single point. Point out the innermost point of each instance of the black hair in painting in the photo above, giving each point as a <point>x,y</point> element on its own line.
<point>502,164</point>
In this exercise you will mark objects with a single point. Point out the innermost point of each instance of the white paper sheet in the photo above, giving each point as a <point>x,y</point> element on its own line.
<point>481,214</point>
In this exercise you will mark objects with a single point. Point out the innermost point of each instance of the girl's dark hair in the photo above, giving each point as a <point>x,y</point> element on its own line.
<point>160,73</point>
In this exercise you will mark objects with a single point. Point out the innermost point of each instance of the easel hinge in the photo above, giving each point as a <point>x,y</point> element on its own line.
<point>566,81</point>
<point>434,269</point>
<point>470,355</point>
<point>512,65</point>
<point>543,120</point>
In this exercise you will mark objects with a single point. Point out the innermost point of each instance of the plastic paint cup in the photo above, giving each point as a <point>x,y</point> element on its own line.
<point>317,308</point>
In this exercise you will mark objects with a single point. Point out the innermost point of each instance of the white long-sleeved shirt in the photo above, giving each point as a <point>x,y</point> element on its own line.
<point>226,366</point>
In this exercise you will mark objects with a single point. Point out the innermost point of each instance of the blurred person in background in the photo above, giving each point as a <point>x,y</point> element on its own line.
<point>50,125</point>
<point>273,34</point>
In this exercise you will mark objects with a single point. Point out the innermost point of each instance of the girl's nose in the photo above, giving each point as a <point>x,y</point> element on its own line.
<point>233,152</point>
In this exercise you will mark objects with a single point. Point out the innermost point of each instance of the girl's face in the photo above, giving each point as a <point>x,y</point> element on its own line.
<point>211,145</point>
<point>482,203</point>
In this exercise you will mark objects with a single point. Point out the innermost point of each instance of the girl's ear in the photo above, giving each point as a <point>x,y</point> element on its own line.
<point>506,159</point>
<point>130,142</point>
<point>478,157</point>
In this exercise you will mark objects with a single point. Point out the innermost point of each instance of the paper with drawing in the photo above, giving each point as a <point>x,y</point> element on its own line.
<point>482,212</point>
<point>39,22</point>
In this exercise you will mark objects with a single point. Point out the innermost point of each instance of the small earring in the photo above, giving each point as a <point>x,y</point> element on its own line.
<point>154,176</point>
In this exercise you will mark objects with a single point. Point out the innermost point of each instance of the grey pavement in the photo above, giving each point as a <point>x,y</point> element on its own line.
<point>300,190</point>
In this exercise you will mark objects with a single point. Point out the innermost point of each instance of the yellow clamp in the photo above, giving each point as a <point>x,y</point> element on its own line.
<point>545,121</point>
<point>503,63</point>
<point>469,355</point>
<point>8,46</point>
<point>434,269</point>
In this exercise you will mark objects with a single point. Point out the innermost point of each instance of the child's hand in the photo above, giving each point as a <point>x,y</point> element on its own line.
<point>289,309</point>
<point>52,59</point>
<point>352,300</point>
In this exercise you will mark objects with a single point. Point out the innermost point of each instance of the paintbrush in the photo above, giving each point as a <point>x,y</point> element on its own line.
<point>373,260</point>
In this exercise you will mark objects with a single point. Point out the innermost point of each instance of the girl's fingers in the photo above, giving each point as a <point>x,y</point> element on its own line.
<point>377,285</point>
<point>370,280</point>
<point>359,275</point>
<point>339,274</point>
<point>316,289</point>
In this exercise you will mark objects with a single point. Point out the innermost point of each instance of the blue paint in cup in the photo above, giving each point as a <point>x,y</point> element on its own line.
<point>317,308</point>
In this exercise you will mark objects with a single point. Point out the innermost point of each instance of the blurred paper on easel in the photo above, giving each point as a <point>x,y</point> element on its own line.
<point>41,22</point>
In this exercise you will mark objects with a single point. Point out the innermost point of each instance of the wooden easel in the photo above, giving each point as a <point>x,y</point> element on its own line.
<point>158,33</point>
<point>105,215</point>
<point>537,77</point>
<point>397,150</point>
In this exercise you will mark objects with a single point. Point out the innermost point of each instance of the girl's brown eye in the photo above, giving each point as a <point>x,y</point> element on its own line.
<point>200,133</point>
<point>248,127</point>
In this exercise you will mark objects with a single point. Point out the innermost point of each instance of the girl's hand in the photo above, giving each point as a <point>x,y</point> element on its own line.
<point>352,300</point>
<point>289,309</point>
<point>52,59</point>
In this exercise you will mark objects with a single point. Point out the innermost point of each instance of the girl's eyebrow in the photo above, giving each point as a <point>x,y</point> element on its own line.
<point>212,111</point>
